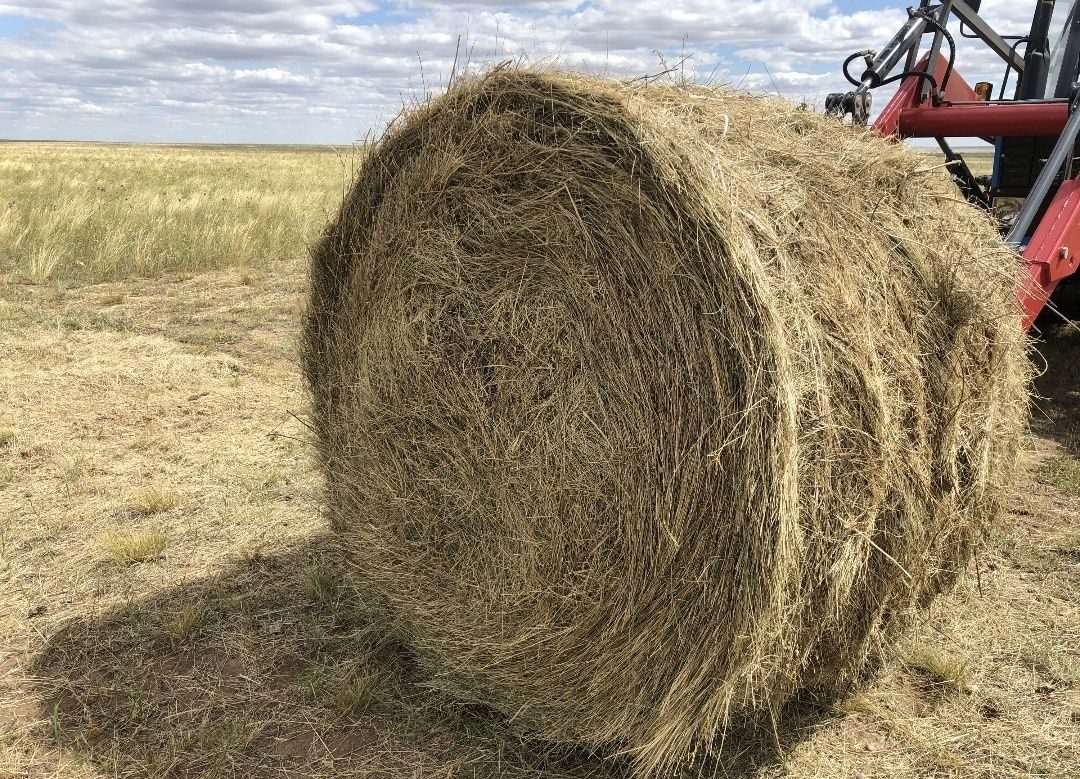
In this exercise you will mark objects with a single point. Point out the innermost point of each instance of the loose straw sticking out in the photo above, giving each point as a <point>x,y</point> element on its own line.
<point>639,432</point>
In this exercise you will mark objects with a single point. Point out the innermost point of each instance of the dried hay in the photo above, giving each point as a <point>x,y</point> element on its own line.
<point>646,407</point>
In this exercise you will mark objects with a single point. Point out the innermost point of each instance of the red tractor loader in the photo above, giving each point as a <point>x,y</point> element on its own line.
<point>1033,123</point>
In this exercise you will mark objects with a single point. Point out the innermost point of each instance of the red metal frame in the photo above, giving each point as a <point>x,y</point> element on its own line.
<point>983,120</point>
<point>907,97</point>
<point>1054,249</point>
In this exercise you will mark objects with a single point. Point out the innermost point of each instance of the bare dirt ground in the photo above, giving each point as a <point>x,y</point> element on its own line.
<point>171,603</point>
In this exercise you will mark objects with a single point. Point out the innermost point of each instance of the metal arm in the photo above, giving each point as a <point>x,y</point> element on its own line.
<point>879,66</point>
<point>942,17</point>
<point>1037,60</point>
<point>970,17</point>
<point>905,40</point>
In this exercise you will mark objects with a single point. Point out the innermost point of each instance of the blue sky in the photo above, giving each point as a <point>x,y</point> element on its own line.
<point>331,71</point>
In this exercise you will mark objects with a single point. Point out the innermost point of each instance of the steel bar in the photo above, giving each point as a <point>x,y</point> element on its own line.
<point>983,120</point>
<point>978,25</point>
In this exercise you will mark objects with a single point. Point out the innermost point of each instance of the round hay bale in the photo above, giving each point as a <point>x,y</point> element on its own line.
<point>646,407</point>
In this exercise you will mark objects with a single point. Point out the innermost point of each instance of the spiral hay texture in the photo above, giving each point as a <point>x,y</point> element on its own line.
<point>646,407</point>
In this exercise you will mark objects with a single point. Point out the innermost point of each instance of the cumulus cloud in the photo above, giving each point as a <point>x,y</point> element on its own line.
<point>333,70</point>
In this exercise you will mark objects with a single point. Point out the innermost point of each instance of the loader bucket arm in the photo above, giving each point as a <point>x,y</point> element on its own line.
<point>1046,233</point>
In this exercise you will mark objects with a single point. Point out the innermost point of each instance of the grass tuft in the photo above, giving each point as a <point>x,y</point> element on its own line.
<point>146,441</point>
<point>7,437</point>
<point>153,500</point>
<point>321,583</point>
<point>1070,546</point>
<point>356,695</point>
<point>136,546</point>
<point>72,470</point>
<point>943,672</point>
<point>1062,473</point>
<point>1052,663</point>
<point>251,553</point>
<point>185,624</point>
<point>860,703</point>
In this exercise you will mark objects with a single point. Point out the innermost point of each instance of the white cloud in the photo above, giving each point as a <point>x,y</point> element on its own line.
<point>260,70</point>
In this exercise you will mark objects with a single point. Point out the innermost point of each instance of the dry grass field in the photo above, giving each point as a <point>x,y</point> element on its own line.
<point>93,212</point>
<point>171,604</point>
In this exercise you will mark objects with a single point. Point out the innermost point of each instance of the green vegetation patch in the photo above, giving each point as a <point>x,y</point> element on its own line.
<point>1062,473</point>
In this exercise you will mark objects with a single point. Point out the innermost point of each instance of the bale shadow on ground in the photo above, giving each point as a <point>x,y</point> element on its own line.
<point>1056,412</point>
<point>280,666</point>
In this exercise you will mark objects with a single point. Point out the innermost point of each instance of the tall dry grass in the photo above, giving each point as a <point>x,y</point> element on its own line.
<point>96,212</point>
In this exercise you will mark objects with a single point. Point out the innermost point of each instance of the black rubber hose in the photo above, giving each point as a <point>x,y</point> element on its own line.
<point>916,73</point>
<point>847,62</point>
